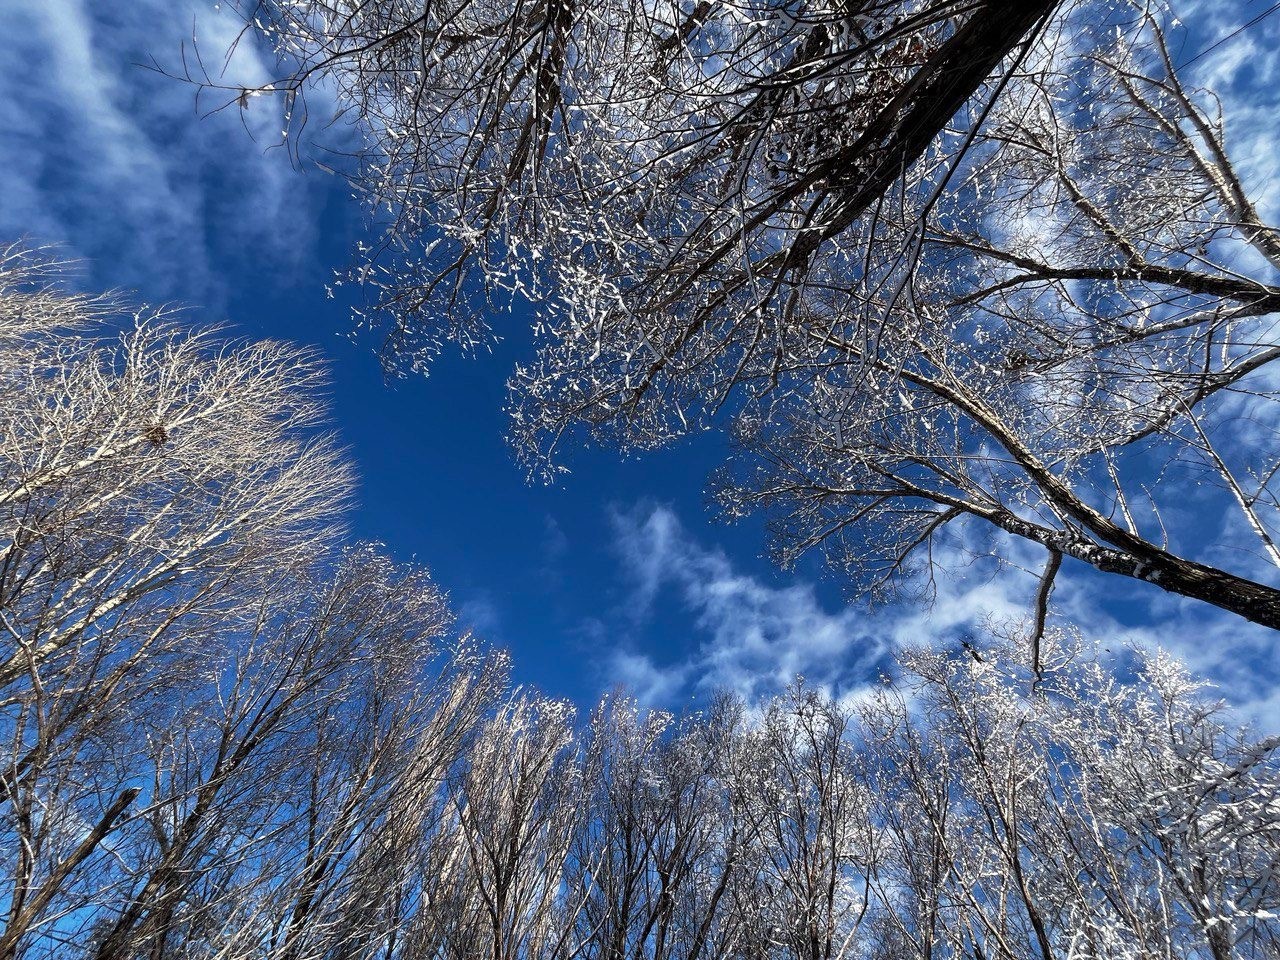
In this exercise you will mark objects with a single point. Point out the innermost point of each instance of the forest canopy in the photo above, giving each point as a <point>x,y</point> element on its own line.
<point>955,278</point>
<point>946,272</point>
<point>227,735</point>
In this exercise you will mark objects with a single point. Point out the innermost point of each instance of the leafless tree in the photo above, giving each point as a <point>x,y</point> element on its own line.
<point>680,168</point>
<point>812,843</point>
<point>953,812</point>
<point>141,474</point>
<point>612,867</point>
<point>652,869</point>
<point>290,813</point>
<point>150,483</point>
<point>1084,347</point>
<point>933,262</point>
<point>227,738</point>
<point>515,800</point>
<point>1027,825</point>
<point>221,733</point>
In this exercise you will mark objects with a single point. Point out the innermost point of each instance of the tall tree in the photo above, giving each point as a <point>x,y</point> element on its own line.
<point>811,847</point>
<point>1086,345</point>
<point>681,163</point>
<point>1092,817</point>
<point>151,488</point>
<point>515,802</point>
<point>658,853</point>
<point>931,262</point>
<point>218,729</point>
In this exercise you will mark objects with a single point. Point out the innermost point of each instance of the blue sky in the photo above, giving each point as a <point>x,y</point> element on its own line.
<point>618,575</point>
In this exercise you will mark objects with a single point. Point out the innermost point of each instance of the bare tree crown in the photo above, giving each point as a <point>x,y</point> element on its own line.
<point>936,265</point>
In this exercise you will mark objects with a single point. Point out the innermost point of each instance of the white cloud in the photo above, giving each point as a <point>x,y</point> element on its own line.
<point>555,543</point>
<point>479,613</point>
<point>647,682</point>
<point>753,637</point>
<point>111,160</point>
<point>1242,67</point>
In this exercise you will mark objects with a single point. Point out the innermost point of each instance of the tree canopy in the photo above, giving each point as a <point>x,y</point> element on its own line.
<point>937,266</point>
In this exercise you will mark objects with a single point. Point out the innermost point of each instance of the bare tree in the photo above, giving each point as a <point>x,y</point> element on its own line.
<point>811,848</point>
<point>953,812</point>
<point>612,868</point>
<point>227,739</point>
<point>311,776</point>
<point>652,868</point>
<point>1092,817</point>
<point>516,800</point>
<point>681,168</point>
<point>149,485</point>
<point>221,733</point>
<point>1084,351</point>
<point>142,474</point>
<point>933,262</point>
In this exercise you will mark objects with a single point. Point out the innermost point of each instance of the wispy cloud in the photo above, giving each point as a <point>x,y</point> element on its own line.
<point>94,148</point>
<point>1242,67</point>
<point>753,636</point>
<point>479,613</point>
